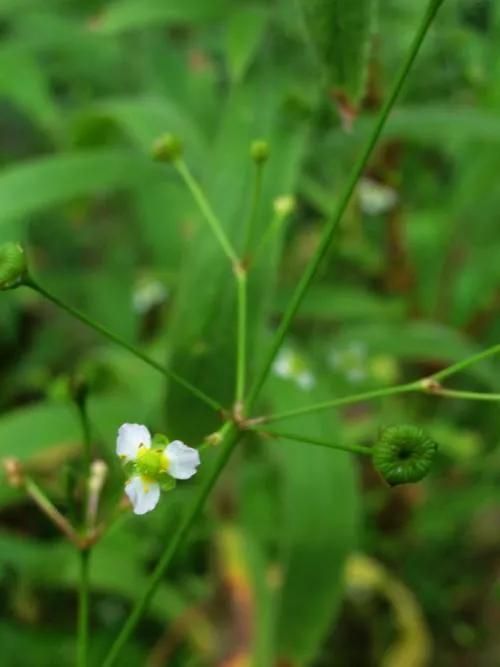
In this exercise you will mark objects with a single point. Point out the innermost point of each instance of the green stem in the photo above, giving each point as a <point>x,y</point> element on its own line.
<point>127,346</point>
<point>466,395</point>
<point>51,511</point>
<point>84,554</point>
<point>331,226</point>
<point>241,343</point>
<point>225,449</point>
<point>254,208</point>
<point>354,449</point>
<point>206,210</point>
<point>460,365</point>
<point>83,610</point>
<point>337,402</point>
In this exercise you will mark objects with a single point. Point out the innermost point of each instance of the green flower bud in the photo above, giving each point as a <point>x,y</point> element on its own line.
<point>13,268</point>
<point>167,148</point>
<point>403,454</point>
<point>259,151</point>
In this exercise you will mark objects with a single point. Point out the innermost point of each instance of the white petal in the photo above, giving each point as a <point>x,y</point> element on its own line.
<point>130,438</point>
<point>182,460</point>
<point>306,380</point>
<point>143,494</point>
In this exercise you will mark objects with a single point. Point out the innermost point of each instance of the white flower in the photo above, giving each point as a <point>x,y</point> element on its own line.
<point>152,465</point>
<point>290,366</point>
<point>375,198</point>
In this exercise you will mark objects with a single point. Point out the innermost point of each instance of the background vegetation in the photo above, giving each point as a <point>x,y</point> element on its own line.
<point>410,285</point>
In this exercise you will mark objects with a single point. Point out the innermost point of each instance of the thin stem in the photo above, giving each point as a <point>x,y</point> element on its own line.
<point>127,346</point>
<point>230,438</point>
<point>84,554</point>
<point>331,226</point>
<point>466,395</point>
<point>50,510</point>
<point>254,208</point>
<point>336,402</point>
<point>83,610</point>
<point>460,365</point>
<point>206,210</point>
<point>354,449</point>
<point>241,342</point>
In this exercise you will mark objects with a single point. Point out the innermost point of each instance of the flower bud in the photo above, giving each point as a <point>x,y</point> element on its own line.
<point>13,472</point>
<point>403,454</point>
<point>167,148</point>
<point>259,151</point>
<point>13,268</point>
<point>284,206</point>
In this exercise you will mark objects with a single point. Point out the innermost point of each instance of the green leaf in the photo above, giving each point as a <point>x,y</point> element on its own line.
<point>40,184</point>
<point>318,526</point>
<point>134,14</point>
<point>22,82</point>
<point>244,33</point>
<point>340,31</point>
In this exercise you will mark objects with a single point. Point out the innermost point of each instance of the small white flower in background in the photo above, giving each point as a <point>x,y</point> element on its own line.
<point>290,366</point>
<point>376,198</point>
<point>350,361</point>
<point>152,466</point>
<point>147,294</point>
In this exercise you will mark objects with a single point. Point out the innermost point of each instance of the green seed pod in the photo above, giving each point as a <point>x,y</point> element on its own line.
<point>13,269</point>
<point>403,454</point>
<point>167,148</point>
<point>259,151</point>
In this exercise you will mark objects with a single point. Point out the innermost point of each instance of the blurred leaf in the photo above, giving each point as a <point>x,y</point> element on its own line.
<point>39,184</point>
<point>340,31</point>
<point>123,15</point>
<point>23,83</point>
<point>244,33</point>
<point>318,527</point>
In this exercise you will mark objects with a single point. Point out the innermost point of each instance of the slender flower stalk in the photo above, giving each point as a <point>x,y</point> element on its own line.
<point>334,221</point>
<point>254,207</point>
<point>83,609</point>
<point>241,341</point>
<point>51,511</point>
<point>353,449</point>
<point>127,346</point>
<point>460,365</point>
<point>206,210</point>
<point>337,402</point>
<point>80,397</point>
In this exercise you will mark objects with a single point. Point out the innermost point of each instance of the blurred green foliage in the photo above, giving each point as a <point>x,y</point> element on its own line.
<point>411,284</point>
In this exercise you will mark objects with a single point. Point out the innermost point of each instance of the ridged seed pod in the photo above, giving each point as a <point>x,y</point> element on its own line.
<point>403,454</point>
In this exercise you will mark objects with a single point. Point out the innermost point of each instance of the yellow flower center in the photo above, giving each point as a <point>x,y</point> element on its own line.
<point>151,463</point>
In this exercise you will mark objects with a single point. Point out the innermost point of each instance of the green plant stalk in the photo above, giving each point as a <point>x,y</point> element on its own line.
<point>51,511</point>
<point>353,449</point>
<point>83,609</point>
<point>460,365</point>
<point>331,226</point>
<point>254,208</point>
<point>84,553</point>
<point>466,395</point>
<point>337,402</point>
<point>241,342</point>
<point>206,210</point>
<point>127,346</point>
<point>231,434</point>
<point>225,449</point>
